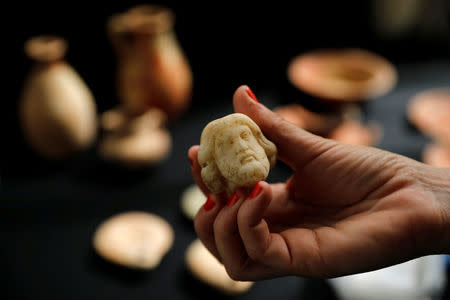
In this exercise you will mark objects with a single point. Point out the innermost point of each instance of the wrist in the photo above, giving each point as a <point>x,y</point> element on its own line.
<point>437,182</point>
<point>444,198</point>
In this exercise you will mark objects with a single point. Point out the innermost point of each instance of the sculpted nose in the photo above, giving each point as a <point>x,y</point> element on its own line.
<point>242,145</point>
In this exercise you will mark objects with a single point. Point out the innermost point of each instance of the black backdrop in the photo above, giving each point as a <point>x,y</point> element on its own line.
<point>50,209</point>
<point>227,43</point>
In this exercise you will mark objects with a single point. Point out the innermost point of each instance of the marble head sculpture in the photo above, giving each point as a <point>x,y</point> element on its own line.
<point>234,153</point>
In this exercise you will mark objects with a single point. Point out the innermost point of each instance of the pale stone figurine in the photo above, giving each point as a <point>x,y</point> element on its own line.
<point>234,153</point>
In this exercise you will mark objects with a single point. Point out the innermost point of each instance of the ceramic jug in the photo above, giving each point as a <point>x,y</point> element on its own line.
<point>152,68</point>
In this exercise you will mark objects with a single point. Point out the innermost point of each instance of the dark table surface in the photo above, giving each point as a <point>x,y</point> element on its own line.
<point>51,210</point>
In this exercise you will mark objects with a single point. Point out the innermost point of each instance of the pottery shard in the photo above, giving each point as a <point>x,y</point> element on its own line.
<point>204,266</point>
<point>192,200</point>
<point>137,240</point>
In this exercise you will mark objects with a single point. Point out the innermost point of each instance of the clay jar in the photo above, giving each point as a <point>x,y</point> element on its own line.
<point>152,68</point>
<point>57,109</point>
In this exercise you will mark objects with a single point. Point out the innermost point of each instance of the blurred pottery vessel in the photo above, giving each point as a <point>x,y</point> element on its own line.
<point>342,75</point>
<point>429,111</point>
<point>318,123</point>
<point>57,109</point>
<point>152,68</point>
<point>344,126</point>
<point>135,150</point>
<point>437,155</point>
<point>353,132</point>
<point>321,123</point>
<point>118,119</point>
<point>134,141</point>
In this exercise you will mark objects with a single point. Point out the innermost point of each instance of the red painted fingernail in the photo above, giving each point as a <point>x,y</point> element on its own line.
<point>251,94</point>
<point>209,204</point>
<point>191,162</point>
<point>234,198</point>
<point>256,190</point>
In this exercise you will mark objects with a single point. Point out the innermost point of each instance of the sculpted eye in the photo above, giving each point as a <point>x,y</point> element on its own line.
<point>245,135</point>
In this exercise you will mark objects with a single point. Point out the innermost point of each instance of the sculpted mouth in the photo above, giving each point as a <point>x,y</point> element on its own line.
<point>247,157</point>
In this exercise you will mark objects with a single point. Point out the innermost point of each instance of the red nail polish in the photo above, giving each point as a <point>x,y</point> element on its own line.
<point>191,162</point>
<point>251,94</point>
<point>256,190</point>
<point>209,204</point>
<point>234,198</point>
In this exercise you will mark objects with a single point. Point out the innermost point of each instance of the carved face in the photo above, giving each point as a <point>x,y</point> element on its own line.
<point>234,153</point>
<point>250,159</point>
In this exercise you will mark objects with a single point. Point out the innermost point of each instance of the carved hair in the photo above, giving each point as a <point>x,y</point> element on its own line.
<point>211,174</point>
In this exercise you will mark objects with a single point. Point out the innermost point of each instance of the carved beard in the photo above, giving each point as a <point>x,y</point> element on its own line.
<point>248,173</point>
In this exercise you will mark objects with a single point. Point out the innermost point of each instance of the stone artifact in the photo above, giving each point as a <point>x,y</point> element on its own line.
<point>234,153</point>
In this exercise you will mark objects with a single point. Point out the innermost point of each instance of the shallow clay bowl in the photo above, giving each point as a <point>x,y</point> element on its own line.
<point>342,75</point>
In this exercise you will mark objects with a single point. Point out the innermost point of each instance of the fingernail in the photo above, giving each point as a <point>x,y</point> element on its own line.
<point>191,162</point>
<point>256,190</point>
<point>251,94</point>
<point>209,204</point>
<point>234,198</point>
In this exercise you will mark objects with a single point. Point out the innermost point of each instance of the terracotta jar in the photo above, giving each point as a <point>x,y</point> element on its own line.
<point>152,68</point>
<point>57,109</point>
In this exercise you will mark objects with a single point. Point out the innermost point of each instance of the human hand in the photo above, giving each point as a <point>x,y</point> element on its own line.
<point>346,209</point>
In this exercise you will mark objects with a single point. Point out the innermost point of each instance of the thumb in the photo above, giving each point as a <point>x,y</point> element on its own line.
<point>295,146</point>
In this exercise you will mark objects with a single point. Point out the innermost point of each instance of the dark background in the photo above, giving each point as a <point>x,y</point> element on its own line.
<point>51,209</point>
<point>228,43</point>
